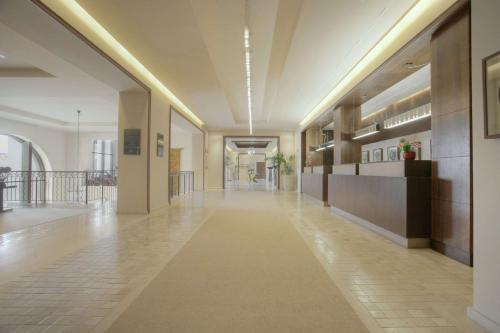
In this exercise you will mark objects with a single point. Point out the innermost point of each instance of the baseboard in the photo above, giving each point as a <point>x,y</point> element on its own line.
<point>315,200</point>
<point>410,243</point>
<point>452,252</point>
<point>485,322</point>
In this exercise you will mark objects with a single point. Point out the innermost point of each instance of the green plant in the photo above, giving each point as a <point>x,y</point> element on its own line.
<point>282,163</point>
<point>405,145</point>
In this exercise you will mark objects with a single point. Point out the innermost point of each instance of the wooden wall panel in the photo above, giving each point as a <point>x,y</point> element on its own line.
<point>346,120</point>
<point>451,139</point>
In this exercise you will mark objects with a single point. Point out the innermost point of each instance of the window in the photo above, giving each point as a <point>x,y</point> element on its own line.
<point>104,155</point>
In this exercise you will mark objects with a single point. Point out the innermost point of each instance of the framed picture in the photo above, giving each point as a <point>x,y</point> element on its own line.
<point>365,156</point>
<point>491,91</point>
<point>392,153</point>
<point>378,155</point>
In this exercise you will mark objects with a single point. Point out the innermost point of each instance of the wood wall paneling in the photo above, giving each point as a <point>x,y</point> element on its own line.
<point>451,138</point>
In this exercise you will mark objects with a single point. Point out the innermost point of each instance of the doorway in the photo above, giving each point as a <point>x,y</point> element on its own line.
<point>248,163</point>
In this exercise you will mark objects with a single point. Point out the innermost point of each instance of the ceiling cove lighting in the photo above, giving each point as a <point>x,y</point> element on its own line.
<point>369,130</point>
<point>417,18</point>
<point>108,39</point>
<point>248,73</point>
<point>421,112</point>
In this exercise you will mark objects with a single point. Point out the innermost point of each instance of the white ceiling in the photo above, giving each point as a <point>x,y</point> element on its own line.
<point>301,50</point>
<point>53,97</point>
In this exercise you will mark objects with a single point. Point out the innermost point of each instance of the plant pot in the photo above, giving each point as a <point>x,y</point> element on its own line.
<point>409,155</point>
<point>289,182</point>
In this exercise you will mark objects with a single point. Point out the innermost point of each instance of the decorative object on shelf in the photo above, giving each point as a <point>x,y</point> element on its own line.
<point>392,153</point>
<point>378,155</point>
<point>369,130</point>
<point>410,149</point>
<point>421,112</point>
<point>491,95</point>
<point>365,156</point>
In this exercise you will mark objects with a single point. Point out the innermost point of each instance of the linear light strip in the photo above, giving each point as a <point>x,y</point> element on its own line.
<point>369,130</point>
<point>401,100</point>
<point>424,11</point>
<point>418,113</point>
<point>99,30</point>
<point>248,72</point>
<point>363,135</point>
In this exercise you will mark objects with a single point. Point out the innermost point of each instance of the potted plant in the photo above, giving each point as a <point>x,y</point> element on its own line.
<point>288,172</point>
<point>285,166</point>
<point>409,149</point>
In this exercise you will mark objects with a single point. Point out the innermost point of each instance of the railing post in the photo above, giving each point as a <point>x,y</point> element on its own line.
<point>86,187</point>
<point>102,186</point>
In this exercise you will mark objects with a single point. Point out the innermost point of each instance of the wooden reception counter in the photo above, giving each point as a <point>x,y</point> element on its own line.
<point>390,198</point>
<point>315,182</point>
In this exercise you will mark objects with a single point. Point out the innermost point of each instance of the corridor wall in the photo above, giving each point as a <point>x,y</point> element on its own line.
<point>486,174</point>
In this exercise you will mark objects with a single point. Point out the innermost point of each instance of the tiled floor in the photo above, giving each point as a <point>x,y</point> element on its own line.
<point>392,288</point>
<point>78,274</point>
<point>90,286</point>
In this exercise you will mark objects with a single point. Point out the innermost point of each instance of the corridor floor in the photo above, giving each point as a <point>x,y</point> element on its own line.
<point>225,262</point>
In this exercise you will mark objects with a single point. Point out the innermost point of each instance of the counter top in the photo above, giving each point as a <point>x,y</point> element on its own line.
<point>404,168</point>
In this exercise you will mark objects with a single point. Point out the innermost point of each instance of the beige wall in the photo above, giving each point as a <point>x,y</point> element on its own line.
<point>132,169</point>
<point>486,174</point>
<point>197,160</point>
<point>214,157</point>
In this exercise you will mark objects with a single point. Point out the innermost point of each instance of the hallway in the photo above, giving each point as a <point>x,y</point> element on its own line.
<point>225,262</point>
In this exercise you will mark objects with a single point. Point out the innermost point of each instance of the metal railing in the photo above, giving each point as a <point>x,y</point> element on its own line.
<point>181,182</point>
<point>60,186</point>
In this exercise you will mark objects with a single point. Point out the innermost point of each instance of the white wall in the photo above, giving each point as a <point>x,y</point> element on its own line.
<point>86,148</point>
<point>485,26</point>
<point>423,137</point>
<point>183,140</point>
<point>51,141</point>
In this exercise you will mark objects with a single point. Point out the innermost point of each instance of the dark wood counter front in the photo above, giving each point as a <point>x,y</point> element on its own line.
<point>398,207</point>
<point>316,184</point>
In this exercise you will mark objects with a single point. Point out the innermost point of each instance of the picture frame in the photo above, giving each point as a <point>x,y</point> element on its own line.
<point>365,156</point>
<point>491,96</point>
<point>378,155</point>
<point>392,153</point>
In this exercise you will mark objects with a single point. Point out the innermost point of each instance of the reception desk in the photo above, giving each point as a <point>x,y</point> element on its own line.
<point>315,182</point>
<point>390,198</point>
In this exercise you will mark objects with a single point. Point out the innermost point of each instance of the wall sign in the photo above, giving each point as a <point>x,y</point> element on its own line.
<point>132,141</point>
<point>160,145</point>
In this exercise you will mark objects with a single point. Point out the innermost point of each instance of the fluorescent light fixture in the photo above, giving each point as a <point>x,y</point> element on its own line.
<point>369,130</point>
<point>107,38</point>
<point>320,148</point>
<point>407,117</point>
<point>417,18</point>
<point>332,145</point>
<point>248,71</point>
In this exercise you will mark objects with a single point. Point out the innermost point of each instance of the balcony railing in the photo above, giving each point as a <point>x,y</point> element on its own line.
<point>60,186</point>
<point>181,182</point>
